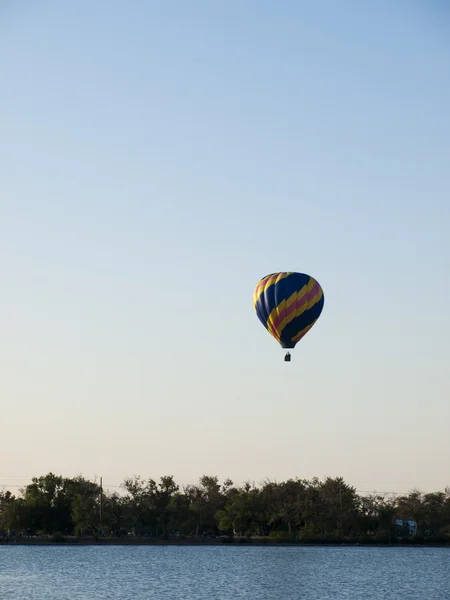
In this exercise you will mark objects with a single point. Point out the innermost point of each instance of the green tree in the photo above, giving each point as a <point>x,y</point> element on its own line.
<point>46,505</point>
<point>162,494</point>
<point>138,509</point>
<point>242,515</point>
<point>84,498</point>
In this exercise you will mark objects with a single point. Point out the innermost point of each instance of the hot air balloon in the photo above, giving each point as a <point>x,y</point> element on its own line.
<point>288,304</point>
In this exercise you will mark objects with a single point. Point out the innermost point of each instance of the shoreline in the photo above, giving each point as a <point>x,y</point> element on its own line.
<point>239,542</point>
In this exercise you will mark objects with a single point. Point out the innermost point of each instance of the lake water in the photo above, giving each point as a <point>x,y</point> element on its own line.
<point>223,573</point>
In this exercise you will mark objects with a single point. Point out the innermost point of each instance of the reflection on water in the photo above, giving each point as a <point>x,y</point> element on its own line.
<point>229,573</point>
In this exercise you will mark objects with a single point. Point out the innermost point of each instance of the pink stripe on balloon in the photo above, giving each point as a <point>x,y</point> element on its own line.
<point>297,305</point>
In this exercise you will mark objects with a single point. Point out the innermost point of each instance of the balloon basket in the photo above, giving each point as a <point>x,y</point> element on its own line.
<point>287,358</point>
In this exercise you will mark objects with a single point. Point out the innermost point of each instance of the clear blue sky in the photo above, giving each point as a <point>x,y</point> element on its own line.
<point>156,160</point>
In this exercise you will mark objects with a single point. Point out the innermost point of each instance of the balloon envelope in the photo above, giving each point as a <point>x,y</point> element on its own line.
<point>288,304</point>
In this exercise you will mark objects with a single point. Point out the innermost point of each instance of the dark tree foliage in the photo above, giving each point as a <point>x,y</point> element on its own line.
<point>293,510</point>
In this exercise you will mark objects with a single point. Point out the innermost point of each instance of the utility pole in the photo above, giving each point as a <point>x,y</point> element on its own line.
<point>101,505</point>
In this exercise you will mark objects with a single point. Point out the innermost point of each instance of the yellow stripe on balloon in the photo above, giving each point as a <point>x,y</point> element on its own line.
<point>265,283</point>
<point>284,305</point>
<point>299,335</point>
<point>301,309</point>
<point>296,313</point>
<point>278,309</point>
<point>261,287</point>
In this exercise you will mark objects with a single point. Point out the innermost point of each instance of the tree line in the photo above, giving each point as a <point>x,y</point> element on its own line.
<point>293,510</point>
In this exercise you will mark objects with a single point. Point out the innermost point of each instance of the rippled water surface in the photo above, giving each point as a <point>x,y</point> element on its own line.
<point>217,573</point>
